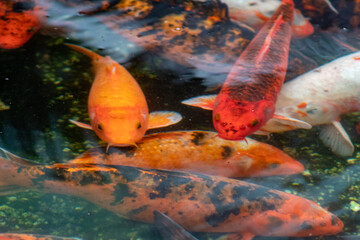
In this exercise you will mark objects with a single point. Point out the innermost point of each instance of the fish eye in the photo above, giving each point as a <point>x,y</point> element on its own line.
<point>138,125</point>
<point>99,127</point>
<point>254,122</point>
<point>217,117</point>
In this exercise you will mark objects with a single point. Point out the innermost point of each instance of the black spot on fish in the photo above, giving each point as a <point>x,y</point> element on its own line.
<point>226,152</point>
<point>274,165</point>
<point>129,173</point>
<point>23,6</point>
<point>167,181</point>
<point>127,151</point>
<point>180,213</point>
<point>256,198</point>
<point>306,226</point>
<point>121,191</point>
<point>334,220</point>
<point>197,138</point>
<point>192,198</point>
<point>189,187</point>
<point>274,223</point>
<point>137,210</point>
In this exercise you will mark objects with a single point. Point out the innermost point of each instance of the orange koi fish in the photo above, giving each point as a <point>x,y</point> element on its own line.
<point>117,107</point>
<point>199,152</point>
<point>18,236</point>
<point>247,98</point>
<point>199,203</point>
<point>19,21</point>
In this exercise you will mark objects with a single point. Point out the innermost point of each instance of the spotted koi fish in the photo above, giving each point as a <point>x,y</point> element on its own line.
<point>247,99</point>
<point>199,203</point>
<point>117,107</point>
<point>200,152</point>
<point>19,236</point>
<point>19,21</point>
<point>325,94</point>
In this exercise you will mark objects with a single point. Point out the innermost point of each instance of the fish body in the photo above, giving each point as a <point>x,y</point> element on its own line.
<point>19,236</point>
<point>199,152</point>
<point>199,203</point>
<point>19,21</point>
<point>117,107</point>
<point>247,98</point>
<point>320,97</point>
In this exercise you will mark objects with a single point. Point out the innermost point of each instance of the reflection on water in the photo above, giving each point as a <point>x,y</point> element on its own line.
<point>175,50</point>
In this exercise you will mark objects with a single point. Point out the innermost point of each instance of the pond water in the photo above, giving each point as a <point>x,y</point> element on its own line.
<point>44,84</point>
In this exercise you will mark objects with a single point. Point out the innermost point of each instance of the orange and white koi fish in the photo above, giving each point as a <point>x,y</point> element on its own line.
<point>117,107</point>
<point>19,21</point>
<point>247,98</point>
<point>19,236</point>
<point>257,13</point>
<point>199,152</point>
<point>199,203</point>
<point>320,97</point>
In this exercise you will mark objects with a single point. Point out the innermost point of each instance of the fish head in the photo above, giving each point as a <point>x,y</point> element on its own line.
<point>120,126</point>
<point>260,159</point>
<point>296,217</point>
<point>312,220</point>
<point>234,120</point>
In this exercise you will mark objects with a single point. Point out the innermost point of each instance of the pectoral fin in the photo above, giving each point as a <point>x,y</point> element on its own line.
<point>169,229</point>
<point>80,124</point>
<point>335,137</point>
<point>206,102</point>
<point>163,119</point>
<point>291,122</point>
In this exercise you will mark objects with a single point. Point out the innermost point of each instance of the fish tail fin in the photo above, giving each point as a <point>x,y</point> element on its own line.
<point>94,56</point>
<point>10,157</point>
<point>10,177</point>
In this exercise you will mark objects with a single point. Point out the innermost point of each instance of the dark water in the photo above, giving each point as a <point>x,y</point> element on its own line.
<point>45,84</point>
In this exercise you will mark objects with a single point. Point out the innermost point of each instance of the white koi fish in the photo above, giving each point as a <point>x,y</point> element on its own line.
<point>320,97</point>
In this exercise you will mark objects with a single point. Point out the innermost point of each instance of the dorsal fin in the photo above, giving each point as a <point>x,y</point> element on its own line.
<point>16,159</point>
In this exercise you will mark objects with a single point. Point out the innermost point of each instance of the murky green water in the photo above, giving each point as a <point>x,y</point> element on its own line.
<point>44,84</point>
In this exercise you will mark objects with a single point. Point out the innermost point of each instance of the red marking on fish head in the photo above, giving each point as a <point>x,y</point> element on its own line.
<point>234,120</point>
<point>119,126</point>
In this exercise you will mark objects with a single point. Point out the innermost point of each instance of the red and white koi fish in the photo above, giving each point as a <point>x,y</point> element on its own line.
<point>199,203</point>
<point>198,152</point>
<point>257,13</point>
<point>320,97</point>
<point>247,98</point>
<point>117,107</point>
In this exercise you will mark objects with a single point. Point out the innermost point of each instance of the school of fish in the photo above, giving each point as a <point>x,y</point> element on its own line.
<point>183,181</point>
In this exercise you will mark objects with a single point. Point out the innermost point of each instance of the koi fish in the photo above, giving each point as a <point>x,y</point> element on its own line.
<point>19,21</point>
<point>320,97</point>
<point>3,106</point>
<point>19,236</point>
<point>257,13</point>
<point>247,98</point>
<point>117,107</point>
<point>199,203</point>
<point>199,152</point>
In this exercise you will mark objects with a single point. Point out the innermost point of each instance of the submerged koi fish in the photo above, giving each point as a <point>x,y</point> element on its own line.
<point>19,21</point>
<point>19,236</point>
<point>257,13</point>
<point>117,107</point>
<point>199,203</point>
<point>320,97</point>
<point>247,98</point>
<point>200,152</point>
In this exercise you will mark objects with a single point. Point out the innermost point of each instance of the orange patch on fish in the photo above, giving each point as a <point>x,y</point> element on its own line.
<point>302,114</point>
<point>356,58</point>
<point>302,105</point>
